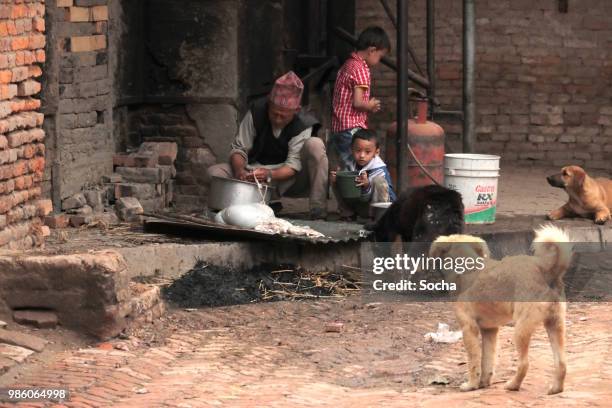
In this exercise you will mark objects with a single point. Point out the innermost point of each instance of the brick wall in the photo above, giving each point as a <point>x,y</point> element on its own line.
<point>174,124</point>
<point>544,78</point>
<point>22,152</point>
<point>82,144</point>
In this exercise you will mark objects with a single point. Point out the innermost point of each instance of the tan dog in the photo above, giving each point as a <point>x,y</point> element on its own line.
<point>588,197</point>
<point>526,290</point>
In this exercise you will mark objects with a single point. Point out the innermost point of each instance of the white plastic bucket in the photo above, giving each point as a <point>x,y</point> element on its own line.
<point>475,177</point>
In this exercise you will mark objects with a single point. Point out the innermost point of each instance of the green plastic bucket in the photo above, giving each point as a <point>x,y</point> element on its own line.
<point>345,181</point>
<point>475,177</point>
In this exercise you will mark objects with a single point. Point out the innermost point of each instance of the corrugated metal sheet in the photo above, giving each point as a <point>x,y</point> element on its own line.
<point>335,232</point>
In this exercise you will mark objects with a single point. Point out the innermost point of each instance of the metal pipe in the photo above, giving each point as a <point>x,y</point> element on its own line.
<point>431,52</point>
<point>387,8</point>
<point>469,52</point>
<point>413,76</point>
<point>402,94</point>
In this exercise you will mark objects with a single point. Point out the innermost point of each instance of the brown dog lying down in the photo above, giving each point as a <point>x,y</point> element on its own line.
<point>537,278</point>
<point>588,197</point>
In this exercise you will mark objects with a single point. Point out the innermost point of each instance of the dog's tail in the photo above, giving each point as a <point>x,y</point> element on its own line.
<point>553,247</point>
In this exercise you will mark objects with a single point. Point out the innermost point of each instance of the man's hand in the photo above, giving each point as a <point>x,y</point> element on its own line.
<point>260,173</point>
<point>241,174</point>
<point>374,105</point>
<point>362,180</point>
<point>332,176</point>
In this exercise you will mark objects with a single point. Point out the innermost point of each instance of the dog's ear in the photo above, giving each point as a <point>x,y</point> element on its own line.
<point>579,175</point>
<point>439,248</point>
<point>481,249</point>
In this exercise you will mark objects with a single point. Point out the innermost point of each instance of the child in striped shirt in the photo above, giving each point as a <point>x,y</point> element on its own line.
<point>351,102</point>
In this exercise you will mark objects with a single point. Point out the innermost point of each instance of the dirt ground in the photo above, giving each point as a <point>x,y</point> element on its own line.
<point>281,354</point>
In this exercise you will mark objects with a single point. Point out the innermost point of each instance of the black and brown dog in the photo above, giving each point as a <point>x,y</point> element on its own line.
<point>421,214</point>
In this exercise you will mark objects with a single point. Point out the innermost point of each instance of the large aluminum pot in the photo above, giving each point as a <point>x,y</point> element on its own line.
<point>225,192</point>
<point>379,209</point>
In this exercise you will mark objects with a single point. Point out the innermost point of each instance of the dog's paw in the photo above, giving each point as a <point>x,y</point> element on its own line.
<point>601,221</point>
<point>552,216</point>
<point>512,386</point>
<point>466,386</point>
<point>555,389</point>
<point>484,384</point>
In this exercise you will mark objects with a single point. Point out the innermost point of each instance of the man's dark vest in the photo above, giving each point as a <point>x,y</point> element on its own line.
<point>268,149</point>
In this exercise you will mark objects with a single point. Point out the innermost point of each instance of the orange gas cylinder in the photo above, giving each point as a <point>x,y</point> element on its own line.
<point>427,141</point>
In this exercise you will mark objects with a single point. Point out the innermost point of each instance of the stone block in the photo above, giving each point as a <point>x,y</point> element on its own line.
<point>129,209</point>
<point>87,43</point>
<point>76,201</point>
<point>146,159</point>
<point>139,190</point>
<point>22,340</point>
<point>36,318</point>
<point>84,290</point>
<point>123,160</point>
<point>57,221</point>
<point>112,178</point>
<point>78,220</point>
<point>155,175</point>
<point>94,198</point>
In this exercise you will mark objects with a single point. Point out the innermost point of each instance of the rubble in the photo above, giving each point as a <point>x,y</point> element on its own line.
<point>94,199</point>
<point>166,151</point>
<point>78,220</point>
<point>15,353</point>
<point>36,318</point>
<point>57,221</point>
<point>22,340</point>
<point>76,201</point>
<point>129,209</point>
<point>147,175</point>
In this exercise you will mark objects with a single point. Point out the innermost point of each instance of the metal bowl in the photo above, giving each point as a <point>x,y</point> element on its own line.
<point>225,192</point>
<point>378,209</point>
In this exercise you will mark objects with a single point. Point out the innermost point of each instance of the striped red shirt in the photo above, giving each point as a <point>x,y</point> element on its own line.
<point>354,73</point>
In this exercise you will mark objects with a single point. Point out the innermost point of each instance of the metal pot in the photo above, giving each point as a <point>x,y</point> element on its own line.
<point>378,209</point>
<point>225,192</point>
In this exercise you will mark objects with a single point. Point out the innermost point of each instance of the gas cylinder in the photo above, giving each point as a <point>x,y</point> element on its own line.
<point>427,141</point>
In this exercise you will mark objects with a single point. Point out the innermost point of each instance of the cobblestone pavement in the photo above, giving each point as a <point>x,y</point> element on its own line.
<point>280,355</point>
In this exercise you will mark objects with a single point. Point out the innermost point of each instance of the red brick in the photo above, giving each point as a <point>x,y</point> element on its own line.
<point>5,77</point>
<point>11,27</point>
<point>20,74</point>
<point>28,88</point>
<point>87,43</point>
<point>40,56</point>
<point>124,160</point>
<point>20,43</point>
<point>39,24</point>
<point>99,13</point>
<point>8,91</point>
<point>64,3</point>
<point>148,159</point>
<point>37,164</point>
<point>57,221</point>
<point>19,11</point>
<point>36,41</point>
<point>34,71</point>
<point>43,207</point>
<point>78,14</point>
